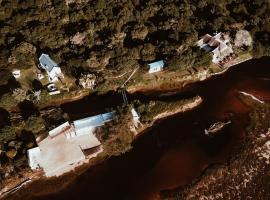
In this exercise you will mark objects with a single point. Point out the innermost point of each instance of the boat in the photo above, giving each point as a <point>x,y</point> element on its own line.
<point>216,127</point>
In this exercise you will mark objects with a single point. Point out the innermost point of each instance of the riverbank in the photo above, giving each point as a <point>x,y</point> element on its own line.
<point>113,174</point>
<point>171,109</point>
<point>177,80</point>
<point>159,112</point>
<point>246,172</point>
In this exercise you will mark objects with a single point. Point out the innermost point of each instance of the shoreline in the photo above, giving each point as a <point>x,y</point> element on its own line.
<point>188,79</point>
<point>166,114</point>
<point>90,162</point>
<point>141,130</point>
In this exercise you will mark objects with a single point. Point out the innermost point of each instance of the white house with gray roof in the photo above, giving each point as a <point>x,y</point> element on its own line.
<point>52,69</point>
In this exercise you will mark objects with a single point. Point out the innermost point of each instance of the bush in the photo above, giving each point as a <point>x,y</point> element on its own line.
<point>8,102</point>
<point>7,133</point>
<point>34,124</point>
<point>116,135</point>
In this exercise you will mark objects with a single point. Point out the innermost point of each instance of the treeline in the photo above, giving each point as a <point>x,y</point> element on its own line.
<point>113,35</point>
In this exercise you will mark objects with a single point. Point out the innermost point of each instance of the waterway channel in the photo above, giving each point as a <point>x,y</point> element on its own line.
<point>174,151</point>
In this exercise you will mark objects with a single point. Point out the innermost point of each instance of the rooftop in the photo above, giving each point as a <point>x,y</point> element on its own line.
<point>47,63</point>
<point>157,64</point>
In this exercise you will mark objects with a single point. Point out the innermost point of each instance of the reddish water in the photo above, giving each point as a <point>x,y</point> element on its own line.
<point>175,151</point>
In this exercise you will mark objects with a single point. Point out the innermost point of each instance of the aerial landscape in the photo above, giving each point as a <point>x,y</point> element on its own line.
<point>135,99</point>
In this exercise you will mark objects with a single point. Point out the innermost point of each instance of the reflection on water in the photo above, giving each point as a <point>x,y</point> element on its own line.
<point>175,151</point>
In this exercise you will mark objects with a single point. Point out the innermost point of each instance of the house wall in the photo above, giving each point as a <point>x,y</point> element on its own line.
<point>155,69</point>
<point>54,74</point>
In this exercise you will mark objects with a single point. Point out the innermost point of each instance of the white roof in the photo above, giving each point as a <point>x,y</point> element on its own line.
<point>33,155</point>
<point>134,113</point>
<point>57,154</point>
<point>59,129</point>
<point>63,149</point>
<point>16,73</point>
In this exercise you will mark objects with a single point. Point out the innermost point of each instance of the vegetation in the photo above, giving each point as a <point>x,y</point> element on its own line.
<point>108,39</point>
<point>148,111</point>
<point>116,136</point>
<point>15,139</point>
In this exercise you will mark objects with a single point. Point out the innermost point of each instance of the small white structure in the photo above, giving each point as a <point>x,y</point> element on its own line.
<point>218,45</point>
<point>136,117</point>
<point>16,73</point>
<point>156,66</point>
<point>64,148</point>
<point>52,69</point>
<point>40,76</point>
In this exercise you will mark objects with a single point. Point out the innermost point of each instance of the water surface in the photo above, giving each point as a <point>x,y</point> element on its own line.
<point>175,151</point>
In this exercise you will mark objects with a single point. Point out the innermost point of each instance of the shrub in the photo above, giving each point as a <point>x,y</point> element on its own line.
<point>34,124</point>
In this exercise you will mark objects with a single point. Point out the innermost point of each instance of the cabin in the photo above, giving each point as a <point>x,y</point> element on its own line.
<point>217,45</point>
<point>156,66</point>
<point>66,146</point>
<point>53,70</point>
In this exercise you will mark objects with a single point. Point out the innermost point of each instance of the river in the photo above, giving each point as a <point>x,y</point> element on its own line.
<point>174,151</point>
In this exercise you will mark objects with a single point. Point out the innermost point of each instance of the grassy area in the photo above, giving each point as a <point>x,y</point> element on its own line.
<point>153,110</point>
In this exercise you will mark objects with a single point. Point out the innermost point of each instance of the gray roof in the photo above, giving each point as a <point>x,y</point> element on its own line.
<point>46,62</point>
<point>158,64</point>
<point>94,121</point>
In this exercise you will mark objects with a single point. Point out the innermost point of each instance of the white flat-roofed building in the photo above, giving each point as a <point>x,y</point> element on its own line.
<point>63,149</point>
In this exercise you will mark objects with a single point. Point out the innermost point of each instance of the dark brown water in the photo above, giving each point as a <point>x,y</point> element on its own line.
<point>174,151</point>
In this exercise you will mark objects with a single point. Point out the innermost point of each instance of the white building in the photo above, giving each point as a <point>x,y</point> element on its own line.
<point>16,73</point>
<point>52,69</point>
<point>64,148</point>
<point>218,45</point>
<point>136,117</point>
<point>156,66</point>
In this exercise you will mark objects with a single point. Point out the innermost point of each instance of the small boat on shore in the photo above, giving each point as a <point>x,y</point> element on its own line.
<point>216,127</point>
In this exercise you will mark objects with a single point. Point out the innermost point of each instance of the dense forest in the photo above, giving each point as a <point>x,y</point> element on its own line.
<point>110,36</point>
<point>107,38</point>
